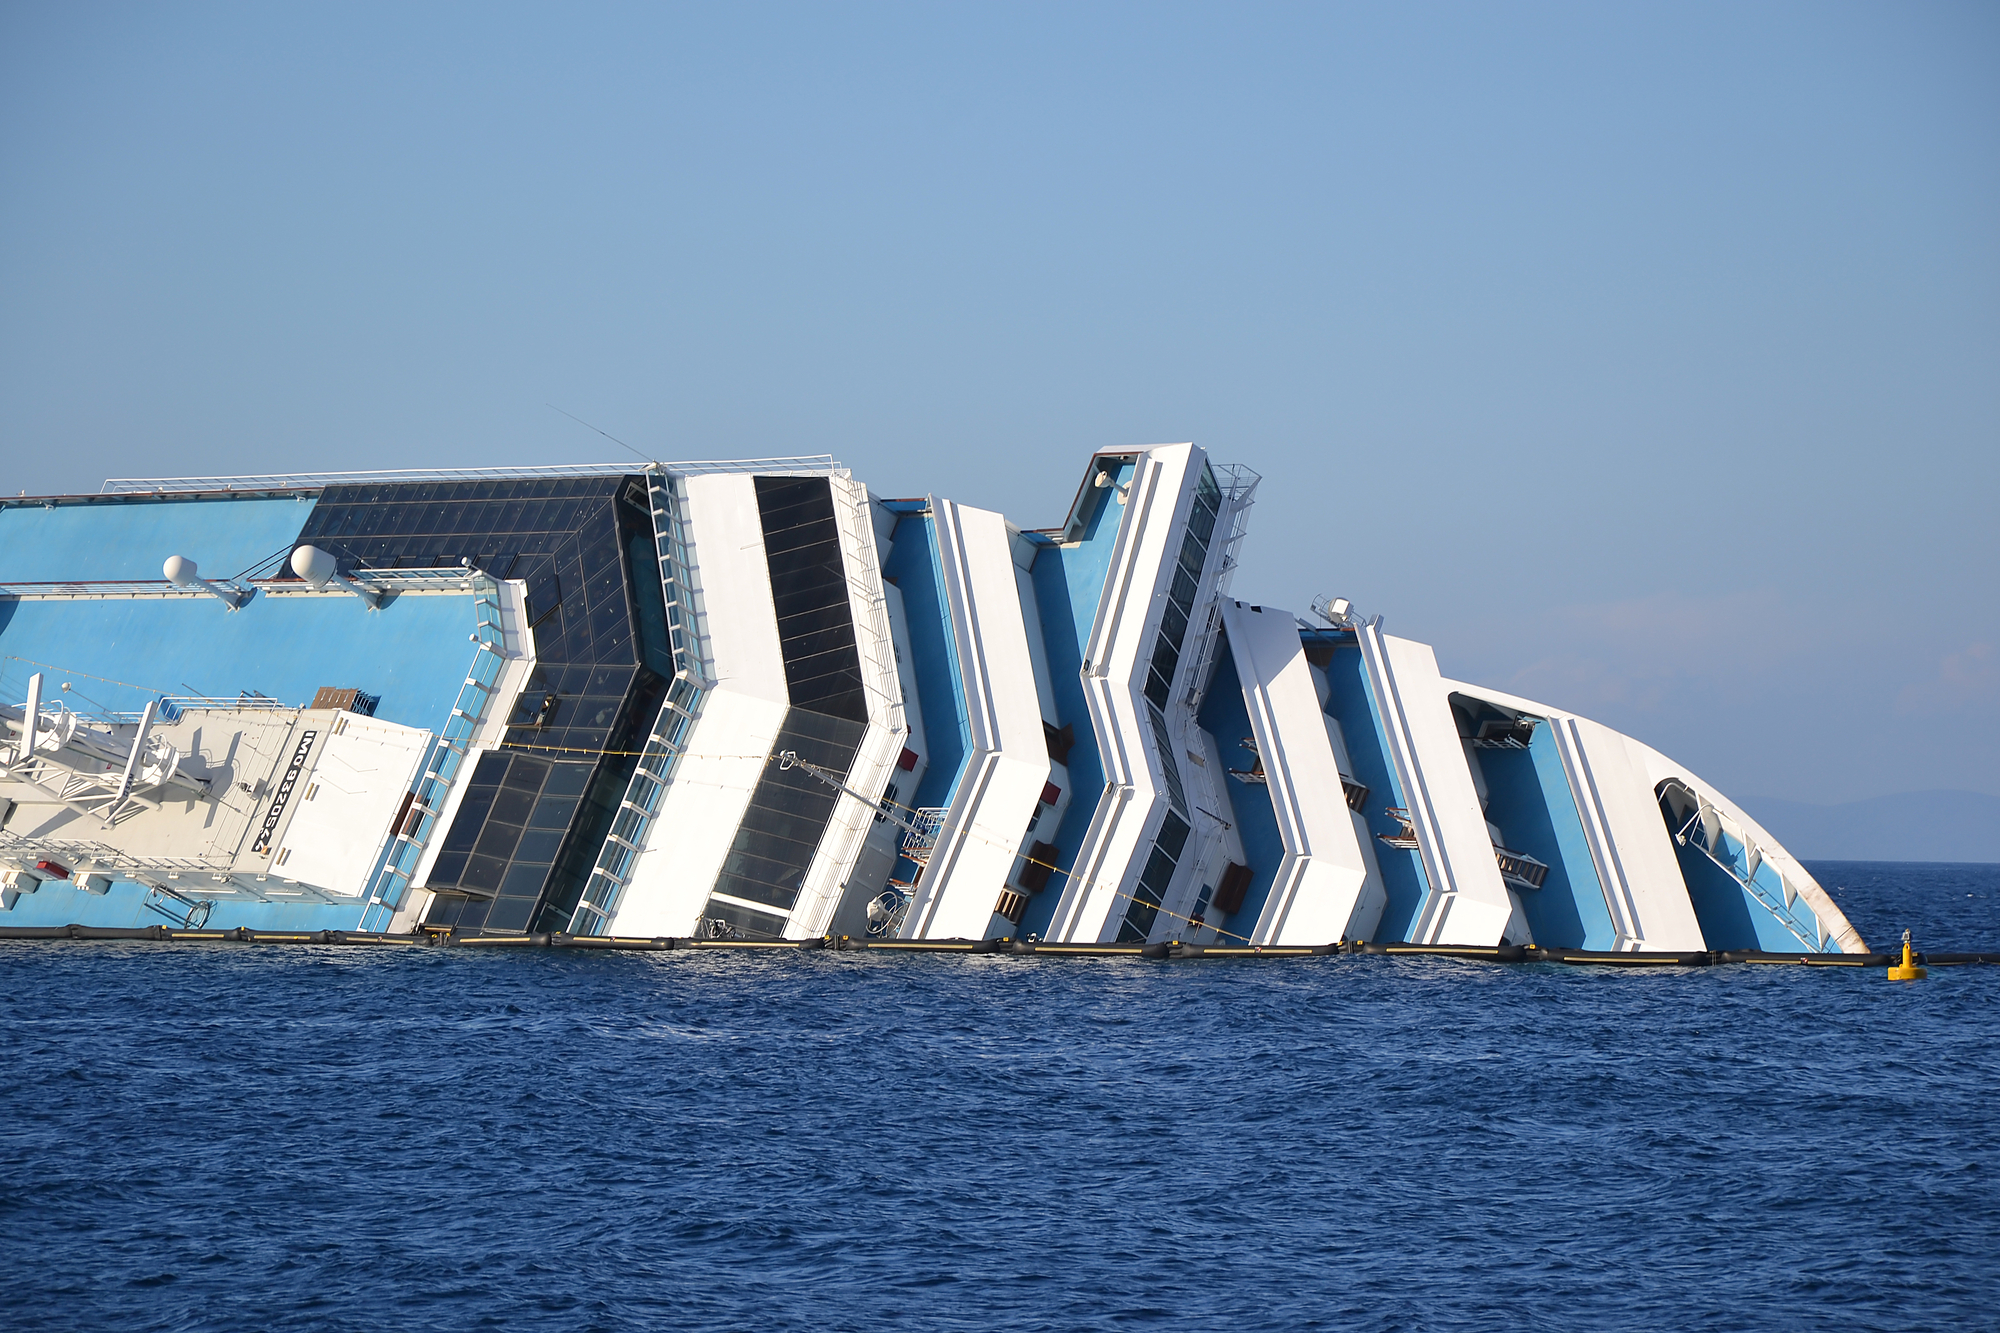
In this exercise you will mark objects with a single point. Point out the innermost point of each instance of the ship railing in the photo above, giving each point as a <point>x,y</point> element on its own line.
<point>1238,485</point>
<point>1404,837</point>
<point>396,864</point>
<point>171,707</point>
<point>75,589</point>
<point>864,582</point>
<point>1712,841</point>
<point>646,790</point>
<point>786,465</point>
<point>920,838</point>
<point>447,578</point>
<point>378,580</point>
<point>1520,870</point>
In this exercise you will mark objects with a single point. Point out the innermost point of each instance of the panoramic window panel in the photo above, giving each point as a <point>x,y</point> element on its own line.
<point>817,561</point>
<point>840,661</point>
<point>497,840</point>
<point>758,866</point>
<point>1201,523</point>
<point>483,873</point>
<point>469,819</point>
<point>553,812</point>
<point>524,880</point>
<point>810,642</point>
<point>780,895</point>
<point>1194,554</point>
<point>511,804</point>
<point>800,826</point>
<point>1158,874</point>
<point>786,812</point>
<point>509,914</point>
<point>539,845</point>
<point>568,779</point>
<point>822,619</point>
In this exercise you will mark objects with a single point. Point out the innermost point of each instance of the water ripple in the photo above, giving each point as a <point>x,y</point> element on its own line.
<point>307,1138</point>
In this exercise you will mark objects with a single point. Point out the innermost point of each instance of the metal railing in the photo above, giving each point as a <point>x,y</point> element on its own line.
<point>1239,491</point>
<point>397,863</point>
<point>1753,858</point>
<point>920,837</point>
<point>75,588</point>
<point>791,465</point>
<point>864,582</point>
<point>379,580</point>
<point>646,790</point>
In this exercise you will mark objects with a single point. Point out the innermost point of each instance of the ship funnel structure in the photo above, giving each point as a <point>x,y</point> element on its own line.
<point>320,569</point>
<point>182,573</point>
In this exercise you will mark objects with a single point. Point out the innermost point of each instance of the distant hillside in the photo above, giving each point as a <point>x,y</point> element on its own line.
<point>1913,826</point>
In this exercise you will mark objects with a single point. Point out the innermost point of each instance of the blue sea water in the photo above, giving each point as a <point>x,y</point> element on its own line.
<point>234,1136</point>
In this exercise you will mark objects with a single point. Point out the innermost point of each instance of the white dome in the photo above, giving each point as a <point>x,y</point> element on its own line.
<point>313,565</point>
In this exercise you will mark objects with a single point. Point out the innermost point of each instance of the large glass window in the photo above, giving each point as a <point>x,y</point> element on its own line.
<point>1186,584</point>
<point>1154,881</point>
<point>789,809</point>
<point>583,546</point>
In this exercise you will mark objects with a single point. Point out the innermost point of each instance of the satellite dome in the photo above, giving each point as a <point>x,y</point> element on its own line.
<point>313,565</point>
<point>180,571</point>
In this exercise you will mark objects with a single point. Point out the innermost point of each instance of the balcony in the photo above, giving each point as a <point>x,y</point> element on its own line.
<point>1520,870</point>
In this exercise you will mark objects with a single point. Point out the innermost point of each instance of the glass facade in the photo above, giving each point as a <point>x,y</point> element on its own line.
<point>533,817</point>
<point>1151,890</point>
<point>1187,583</point>
<point>789,809</point>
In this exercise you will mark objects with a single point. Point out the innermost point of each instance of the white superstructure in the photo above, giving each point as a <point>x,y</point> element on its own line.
<point>759,701</point>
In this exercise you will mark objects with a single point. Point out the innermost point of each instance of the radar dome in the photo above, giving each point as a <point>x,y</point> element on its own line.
<point>180,571</point>
<point>313,565</point>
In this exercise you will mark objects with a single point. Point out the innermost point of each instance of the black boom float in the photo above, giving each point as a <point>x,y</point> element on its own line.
<point>1505,953</point>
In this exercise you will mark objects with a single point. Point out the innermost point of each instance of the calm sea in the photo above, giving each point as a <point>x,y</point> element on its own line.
<point>236,1137</point>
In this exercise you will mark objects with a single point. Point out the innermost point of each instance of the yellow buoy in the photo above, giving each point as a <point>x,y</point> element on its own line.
<point>1907,970</point>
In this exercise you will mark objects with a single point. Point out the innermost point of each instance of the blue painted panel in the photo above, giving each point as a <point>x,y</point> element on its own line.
<point>1532,803</point>
<point>1351,701</point>
<point>914,566</point>
<point>1225,716</point>
<point>131,539</point>
<point>1068,583</point>
<point>57,903</point>
<point>1731,916</point>
<point>1086,564</point>
<point>413,652</point>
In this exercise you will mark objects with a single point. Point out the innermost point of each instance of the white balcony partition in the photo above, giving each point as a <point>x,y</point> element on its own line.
<point>1000,785</point>
<point>1466,901</point>
<point>726,749</point>
<point>1322,891</point>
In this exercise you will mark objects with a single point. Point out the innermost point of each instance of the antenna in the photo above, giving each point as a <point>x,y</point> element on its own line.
<point>605,433</point>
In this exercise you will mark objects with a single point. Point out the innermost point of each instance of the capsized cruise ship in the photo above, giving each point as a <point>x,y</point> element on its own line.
<point>757,701</point>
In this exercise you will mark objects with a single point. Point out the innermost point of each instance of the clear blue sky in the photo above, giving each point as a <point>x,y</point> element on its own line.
<point>1645,359</point>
